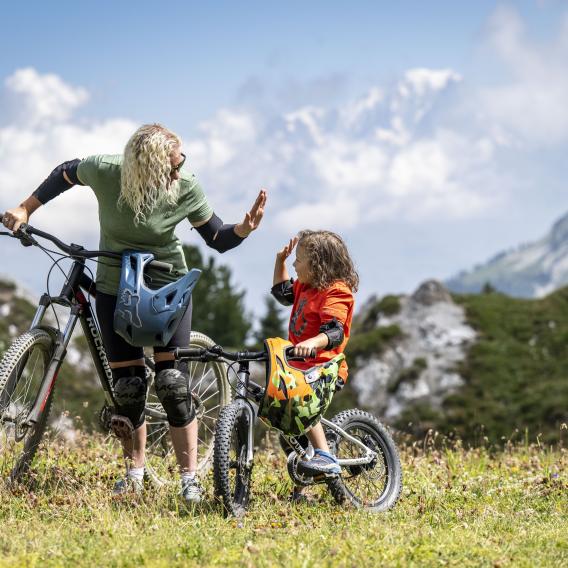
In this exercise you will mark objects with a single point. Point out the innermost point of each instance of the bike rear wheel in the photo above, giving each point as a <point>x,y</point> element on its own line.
<point>231,474</point>
<point>22,371</point>
<point>208,384</point>
<point>375,486</point>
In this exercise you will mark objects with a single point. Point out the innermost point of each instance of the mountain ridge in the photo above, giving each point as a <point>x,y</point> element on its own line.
<point>531,270</point>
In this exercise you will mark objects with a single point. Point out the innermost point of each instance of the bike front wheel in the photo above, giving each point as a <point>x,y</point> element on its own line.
<point>232,472</point>
<point>376,485</point>
<point>22,371</point>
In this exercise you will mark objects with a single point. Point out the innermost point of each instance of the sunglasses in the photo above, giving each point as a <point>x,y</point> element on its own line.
<point>178,167</point>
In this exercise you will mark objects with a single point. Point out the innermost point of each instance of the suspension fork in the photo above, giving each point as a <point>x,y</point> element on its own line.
<point>243,375</point>
<point>44,302</point>
<point>54,365</point>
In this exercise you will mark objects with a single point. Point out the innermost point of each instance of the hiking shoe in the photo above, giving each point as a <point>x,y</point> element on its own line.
<point>191,491</point>
<point>322,463</point>
<point>297,497</point>
<point>128,485</point>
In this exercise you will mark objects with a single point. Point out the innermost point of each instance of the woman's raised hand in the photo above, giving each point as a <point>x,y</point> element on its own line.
<point>253,217</point>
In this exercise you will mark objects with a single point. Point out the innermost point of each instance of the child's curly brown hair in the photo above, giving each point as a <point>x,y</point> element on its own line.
<point>328,259</point>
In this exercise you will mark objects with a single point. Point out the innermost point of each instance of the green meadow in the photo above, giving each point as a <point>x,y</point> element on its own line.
<point>496,507</point>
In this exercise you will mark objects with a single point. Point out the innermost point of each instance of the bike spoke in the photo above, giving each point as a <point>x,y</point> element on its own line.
<point>205,374</point>
<point>210,410</point>
<point>216,393</point>
<point>200,394</point>
<point>207,428</point>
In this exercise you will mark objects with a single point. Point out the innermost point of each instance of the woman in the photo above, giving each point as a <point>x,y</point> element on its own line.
<point>142,196</point>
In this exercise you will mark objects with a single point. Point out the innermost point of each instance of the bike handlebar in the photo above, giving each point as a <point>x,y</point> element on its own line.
<point>25,234</point>
<point>217,352</point>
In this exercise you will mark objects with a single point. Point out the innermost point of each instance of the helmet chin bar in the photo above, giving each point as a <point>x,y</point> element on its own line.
<point>146,317</point>
<point>295,400</point>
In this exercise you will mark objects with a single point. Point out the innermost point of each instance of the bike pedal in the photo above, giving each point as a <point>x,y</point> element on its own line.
<point>121,427</point>
<point>324,476</point>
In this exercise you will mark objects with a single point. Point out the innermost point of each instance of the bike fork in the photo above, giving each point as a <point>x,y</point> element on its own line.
<point>243,375</point>
<point>52,371</point>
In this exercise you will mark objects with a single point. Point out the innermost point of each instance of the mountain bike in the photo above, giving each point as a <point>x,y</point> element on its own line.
<point>371,476</point>
<point>29,368</point>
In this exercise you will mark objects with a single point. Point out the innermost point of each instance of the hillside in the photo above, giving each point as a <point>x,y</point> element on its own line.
<point>484,365</point>
<point>531,270</point>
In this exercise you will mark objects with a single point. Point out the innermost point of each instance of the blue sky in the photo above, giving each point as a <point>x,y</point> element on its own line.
<point>430,134</point>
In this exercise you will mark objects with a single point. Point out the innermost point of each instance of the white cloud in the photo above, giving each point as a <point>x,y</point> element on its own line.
<point>42,135</point>
<point>344,163</point>
<point>340,212</point>
<point>529,103</point>
<point>367,159</point>
<point>44,98</point>
<point>421,81</point>
<point>352,112</point>
<point>222,138</point>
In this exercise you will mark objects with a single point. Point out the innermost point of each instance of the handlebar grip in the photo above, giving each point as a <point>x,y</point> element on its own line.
<point>164,266</point>
<point>291,357</point>
<point>189,352</point>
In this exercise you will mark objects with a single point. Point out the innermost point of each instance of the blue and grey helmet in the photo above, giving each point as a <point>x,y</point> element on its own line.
<point>145,317</point>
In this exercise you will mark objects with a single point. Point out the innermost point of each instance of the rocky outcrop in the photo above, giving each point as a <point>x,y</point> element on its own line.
<point>421,364</point>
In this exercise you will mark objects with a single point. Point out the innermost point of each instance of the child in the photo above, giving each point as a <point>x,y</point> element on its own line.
<point>322,300</point>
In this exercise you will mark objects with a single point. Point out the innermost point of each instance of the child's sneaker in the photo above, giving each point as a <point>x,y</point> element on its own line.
<point>191,491</point>
<point>322,463</point>
<point>297,496</point>
<point>128,485</point>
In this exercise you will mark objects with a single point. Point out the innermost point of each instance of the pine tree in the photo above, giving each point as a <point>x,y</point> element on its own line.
<point>272,323</point>
<point>218,308</point>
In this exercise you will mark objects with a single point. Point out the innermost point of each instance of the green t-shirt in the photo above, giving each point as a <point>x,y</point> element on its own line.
<point>155,234</point>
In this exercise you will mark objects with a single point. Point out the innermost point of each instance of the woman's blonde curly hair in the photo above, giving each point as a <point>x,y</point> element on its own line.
<point>146,170</point>
<point>328,259</point>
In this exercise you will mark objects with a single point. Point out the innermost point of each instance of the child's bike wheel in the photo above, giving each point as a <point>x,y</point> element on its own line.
<point>375,486</point>
<point>231,474</point>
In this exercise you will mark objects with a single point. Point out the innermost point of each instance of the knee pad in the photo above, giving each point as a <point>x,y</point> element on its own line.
<point>172,389</point>
<point>129,390</point>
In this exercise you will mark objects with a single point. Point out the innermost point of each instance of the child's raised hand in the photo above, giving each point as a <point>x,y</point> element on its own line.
<point>287,250</point>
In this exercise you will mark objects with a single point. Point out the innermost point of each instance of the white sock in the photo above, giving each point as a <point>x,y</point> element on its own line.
<point>136,473</point>
<point>187,476</point>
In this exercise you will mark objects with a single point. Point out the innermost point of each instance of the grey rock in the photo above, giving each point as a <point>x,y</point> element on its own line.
<point>421,366</point>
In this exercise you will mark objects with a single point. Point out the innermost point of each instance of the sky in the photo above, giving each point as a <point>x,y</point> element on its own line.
<point>430,135</point>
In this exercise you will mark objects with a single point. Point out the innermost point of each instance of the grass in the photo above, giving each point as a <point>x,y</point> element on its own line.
<point>459,507</point>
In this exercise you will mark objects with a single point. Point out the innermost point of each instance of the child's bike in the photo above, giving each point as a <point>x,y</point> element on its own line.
<point>29,369</point>
<point>371,476</point>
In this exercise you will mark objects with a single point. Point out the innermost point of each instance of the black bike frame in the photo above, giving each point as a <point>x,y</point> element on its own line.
<point>72,297</point>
